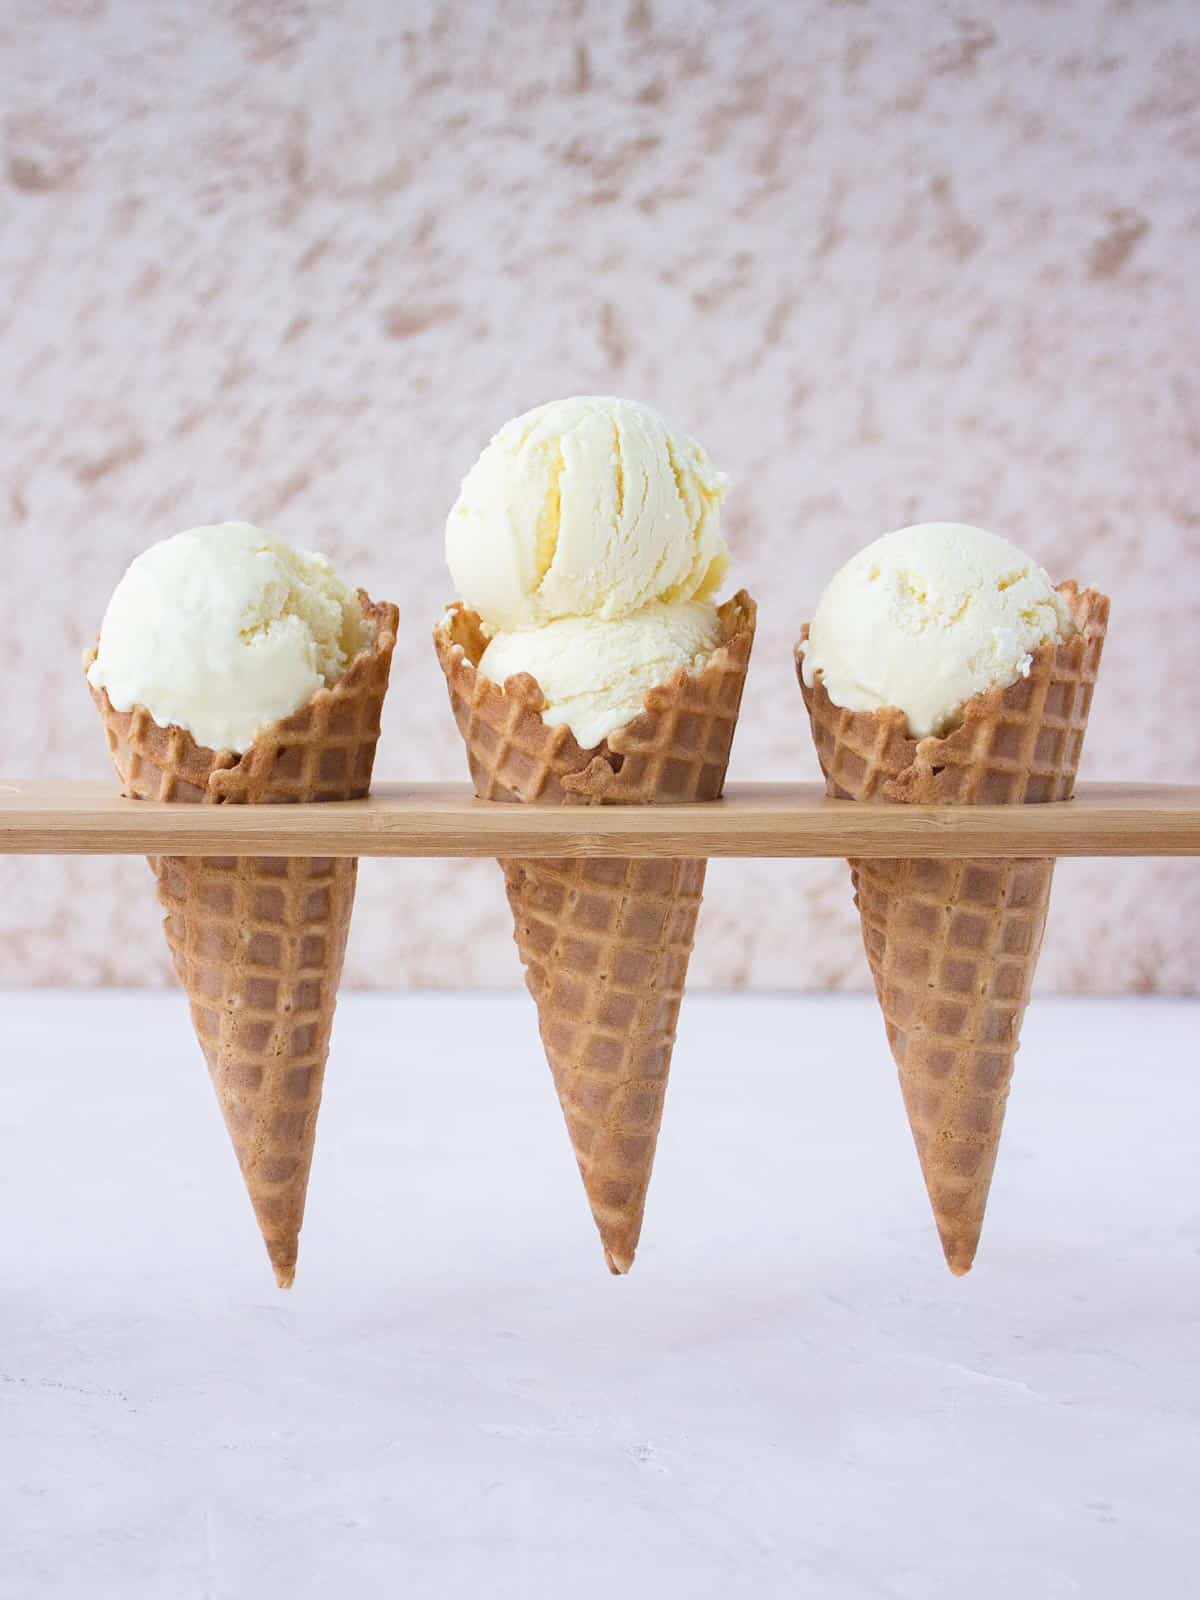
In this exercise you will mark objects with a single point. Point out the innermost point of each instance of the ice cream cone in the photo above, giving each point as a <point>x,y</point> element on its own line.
<point>953,944</point>
<point>258,942</point>
<point>605,942</point>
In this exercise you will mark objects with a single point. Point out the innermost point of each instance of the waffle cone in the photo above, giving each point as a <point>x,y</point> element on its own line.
<point>953,944</point>
<point>605,942</point>
<point>258,942</point>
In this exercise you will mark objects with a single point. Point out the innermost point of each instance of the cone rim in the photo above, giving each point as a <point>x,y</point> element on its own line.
<point>384,618</point>
<point>459,639</point>
<point>911,776</point>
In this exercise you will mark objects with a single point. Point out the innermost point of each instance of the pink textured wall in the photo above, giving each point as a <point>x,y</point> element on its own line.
<point>296,262</point>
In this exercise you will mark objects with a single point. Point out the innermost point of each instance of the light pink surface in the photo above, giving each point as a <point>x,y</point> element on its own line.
<point>888,262</point>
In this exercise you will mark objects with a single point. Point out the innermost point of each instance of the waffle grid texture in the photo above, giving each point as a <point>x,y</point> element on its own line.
<point>258,942</point>
<point>605,943</point>
<point>953,945</point>
<point>676,751</point>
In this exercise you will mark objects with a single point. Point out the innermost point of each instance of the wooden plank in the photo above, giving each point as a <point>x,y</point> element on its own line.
<point>51,817</point>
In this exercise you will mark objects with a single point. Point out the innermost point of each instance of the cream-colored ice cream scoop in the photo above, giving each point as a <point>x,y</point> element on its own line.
<point>925,618</point>
<point>224,630</point>
<point>593,674</point>
<point>585,507</point>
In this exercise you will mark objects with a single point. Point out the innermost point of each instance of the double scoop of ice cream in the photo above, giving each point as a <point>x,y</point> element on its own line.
<point>224,630</point>
<point>927,617</point>
<point>587,538</point>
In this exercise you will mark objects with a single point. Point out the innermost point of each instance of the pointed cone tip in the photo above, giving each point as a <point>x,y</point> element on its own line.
<point>283,1262</point>
<point>618,1263</point>
<point>960,1256</point>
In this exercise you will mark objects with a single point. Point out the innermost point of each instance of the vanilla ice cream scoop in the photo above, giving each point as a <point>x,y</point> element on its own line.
<point>594,674</point>
<point>925,618</point>
<point>223,630</point>
<point>585,507</point>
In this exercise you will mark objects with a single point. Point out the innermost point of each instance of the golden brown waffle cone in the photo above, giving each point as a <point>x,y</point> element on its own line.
<point>258,942</point>
<point>953,944</point>
<point>606,942</point>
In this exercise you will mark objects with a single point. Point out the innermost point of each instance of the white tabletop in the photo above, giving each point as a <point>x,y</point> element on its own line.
<point>789,1396</point>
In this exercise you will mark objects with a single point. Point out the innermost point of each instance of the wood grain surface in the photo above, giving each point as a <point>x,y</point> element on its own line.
<point>438,819</point>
